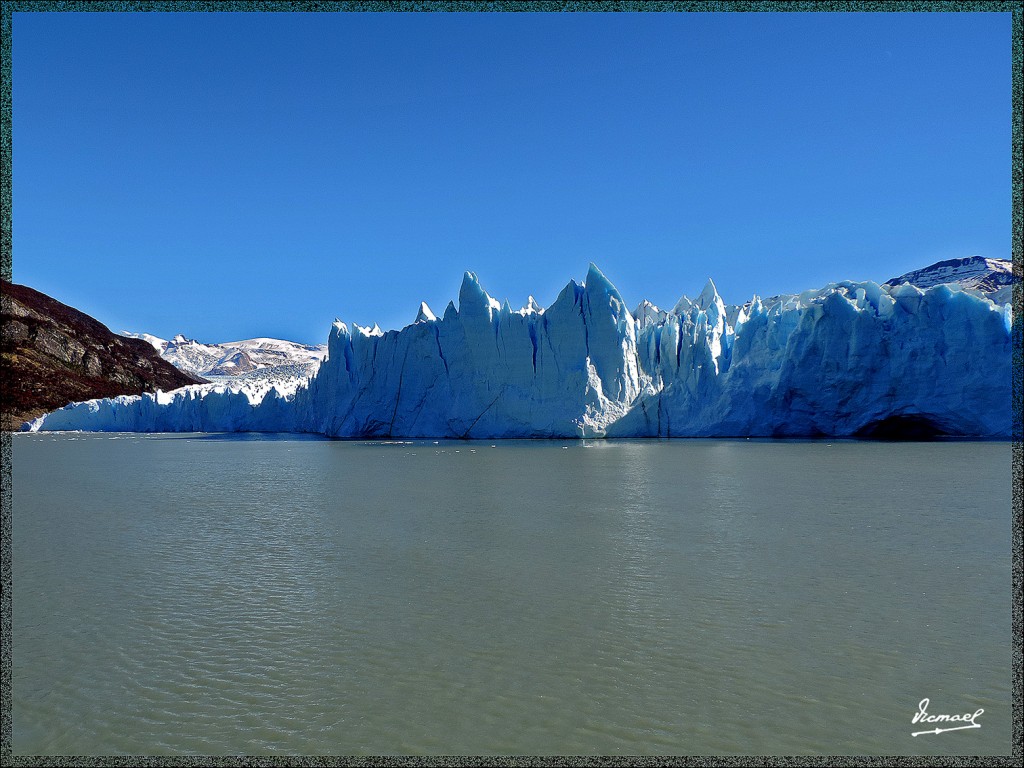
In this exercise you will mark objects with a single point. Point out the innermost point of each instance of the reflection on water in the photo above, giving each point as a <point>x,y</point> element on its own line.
<point>198,594</point>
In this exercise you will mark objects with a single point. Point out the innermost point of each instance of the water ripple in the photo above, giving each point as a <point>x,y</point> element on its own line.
<point>191,596</point>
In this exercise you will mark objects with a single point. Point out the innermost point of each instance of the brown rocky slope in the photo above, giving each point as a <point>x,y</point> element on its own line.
<point>53,355</point>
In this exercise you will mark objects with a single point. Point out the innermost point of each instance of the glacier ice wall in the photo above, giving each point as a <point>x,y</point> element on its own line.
<point>832,362</point>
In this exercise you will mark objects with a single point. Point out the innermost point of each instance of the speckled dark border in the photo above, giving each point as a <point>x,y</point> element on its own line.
<point>1017,9</point>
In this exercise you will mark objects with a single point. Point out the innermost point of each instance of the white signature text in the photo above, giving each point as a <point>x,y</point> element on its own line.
<point>967,719</point>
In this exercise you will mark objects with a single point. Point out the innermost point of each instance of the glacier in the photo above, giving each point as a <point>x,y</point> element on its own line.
<point>850,359</point>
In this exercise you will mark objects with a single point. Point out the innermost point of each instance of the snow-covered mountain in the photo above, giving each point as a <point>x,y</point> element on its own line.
<point>973,272</point>
<point>248,360</point>
<point>849,359</point>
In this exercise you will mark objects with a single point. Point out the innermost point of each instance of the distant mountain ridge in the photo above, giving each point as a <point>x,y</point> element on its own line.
<point>262,358</point>
<point>53,354</point>
<point>972,272</point>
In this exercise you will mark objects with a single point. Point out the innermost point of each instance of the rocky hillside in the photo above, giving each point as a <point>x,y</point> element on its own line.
<point>53,355</point>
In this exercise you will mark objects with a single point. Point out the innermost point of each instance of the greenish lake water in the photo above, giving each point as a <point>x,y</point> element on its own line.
<point>279,595</point>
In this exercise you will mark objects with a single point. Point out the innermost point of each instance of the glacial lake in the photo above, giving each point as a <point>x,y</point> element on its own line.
<point>220,595</point>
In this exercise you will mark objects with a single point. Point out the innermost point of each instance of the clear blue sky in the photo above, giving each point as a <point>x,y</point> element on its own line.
<point>231,175</point>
